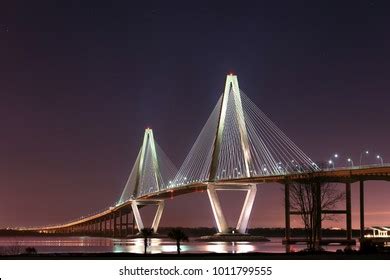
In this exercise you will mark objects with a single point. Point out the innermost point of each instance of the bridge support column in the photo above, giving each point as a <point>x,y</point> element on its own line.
<point>348,210</point>
<point>120,224</point>
<point>219,217</point>
<point>127,224</point>
<point>157,217</point>
<point>318,211</point>
<point>132,224</point>
<point>107,225</point>
<point>113,224</point>
<point>361,197</point>
<point>287,211</point>
<point>110,225</point>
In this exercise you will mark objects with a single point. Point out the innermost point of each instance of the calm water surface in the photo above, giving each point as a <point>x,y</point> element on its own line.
<point>101,245</point>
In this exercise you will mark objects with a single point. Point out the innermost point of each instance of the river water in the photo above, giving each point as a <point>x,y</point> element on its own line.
<point>157,245</point>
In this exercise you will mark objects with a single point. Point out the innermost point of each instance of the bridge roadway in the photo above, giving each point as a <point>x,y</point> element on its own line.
<point>110,222</point>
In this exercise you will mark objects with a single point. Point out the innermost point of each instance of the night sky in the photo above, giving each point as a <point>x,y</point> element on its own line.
<point>79,83</point>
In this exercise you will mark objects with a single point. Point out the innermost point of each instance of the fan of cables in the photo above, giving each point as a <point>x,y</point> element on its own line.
<point>251,145</point>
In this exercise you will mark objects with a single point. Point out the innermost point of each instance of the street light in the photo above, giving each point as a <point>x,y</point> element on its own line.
<point>361,155</point>
<point>336,157</point>
<point>331,163</point>
<point>280,166</point>
<point>380,158</point>
<point>350,161</point>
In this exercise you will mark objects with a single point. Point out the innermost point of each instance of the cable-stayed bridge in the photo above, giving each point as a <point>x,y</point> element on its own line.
<point>238,148</point>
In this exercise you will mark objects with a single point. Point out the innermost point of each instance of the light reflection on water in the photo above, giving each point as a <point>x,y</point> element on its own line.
<point>156,245</point>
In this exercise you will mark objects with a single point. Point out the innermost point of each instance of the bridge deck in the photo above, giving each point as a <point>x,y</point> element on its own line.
<point>342,175</point>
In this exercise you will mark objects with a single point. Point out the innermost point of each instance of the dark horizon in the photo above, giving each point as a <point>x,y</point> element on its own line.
<point>79,83</point>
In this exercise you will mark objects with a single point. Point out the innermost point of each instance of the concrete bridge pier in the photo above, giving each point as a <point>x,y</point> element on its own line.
<point>318,213</point>
<point>287,212</point>
<point>137,215</point>
<point>127,225</point>
<point>120,224</point>
<point>219,217</point>
<point>115,225</point>
<point>132,224</point>
<point>361,198</point>
<point>123,223</point>
<point>110,225</point>
<point>348,208</point>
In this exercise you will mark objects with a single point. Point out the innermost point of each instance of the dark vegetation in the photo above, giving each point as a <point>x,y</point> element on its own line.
<point>146,234</point>
<point>178,235</point>
<point>309,198</point>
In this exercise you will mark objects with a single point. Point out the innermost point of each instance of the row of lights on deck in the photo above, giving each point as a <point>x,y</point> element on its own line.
<point>349,160</point>
<point>237,174</point>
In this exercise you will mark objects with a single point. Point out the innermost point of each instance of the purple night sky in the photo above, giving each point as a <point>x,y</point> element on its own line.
<point>79,83</point>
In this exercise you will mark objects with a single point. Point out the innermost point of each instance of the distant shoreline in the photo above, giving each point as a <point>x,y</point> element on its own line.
<point>355,255</point>
<point>198,232</point>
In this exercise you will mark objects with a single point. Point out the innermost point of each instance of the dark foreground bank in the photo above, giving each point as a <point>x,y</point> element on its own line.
<point>355,255</point>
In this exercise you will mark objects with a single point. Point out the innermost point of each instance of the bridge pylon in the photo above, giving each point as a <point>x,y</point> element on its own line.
<point>231,101</point>
<point>239,142</point>
<point>231,96</point>
<point>150,174</point>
